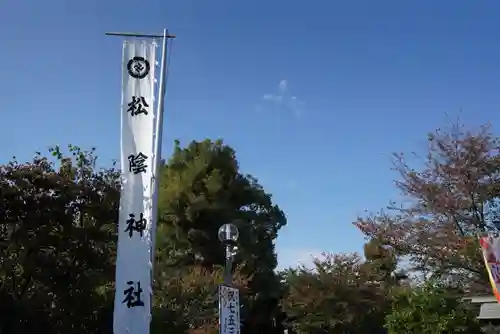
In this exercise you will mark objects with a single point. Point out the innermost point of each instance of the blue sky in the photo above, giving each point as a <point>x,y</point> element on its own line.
<point>313,97</point>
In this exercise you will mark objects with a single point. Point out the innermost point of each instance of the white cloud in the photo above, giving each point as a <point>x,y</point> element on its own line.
<point>283,99</point>
<point>296,106</point>
<point>274,98</point>
<point>283,87</point>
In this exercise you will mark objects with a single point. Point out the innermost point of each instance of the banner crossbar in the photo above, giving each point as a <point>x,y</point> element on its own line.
<point>134,34</point>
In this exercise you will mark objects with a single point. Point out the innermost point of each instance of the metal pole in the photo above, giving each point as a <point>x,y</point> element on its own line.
<point>228,275</point>
<point>134,34</point>
<point>159,136</point>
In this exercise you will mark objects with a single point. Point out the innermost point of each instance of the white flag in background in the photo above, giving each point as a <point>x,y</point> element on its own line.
<point>132,309</point>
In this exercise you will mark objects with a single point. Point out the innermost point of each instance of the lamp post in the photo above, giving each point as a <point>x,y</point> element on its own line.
<point>228,235</point>
<point>229,298</point>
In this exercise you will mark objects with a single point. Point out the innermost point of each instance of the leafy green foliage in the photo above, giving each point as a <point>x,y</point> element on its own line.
<point>58,242</point>
<point>57,224</point>
<point>430,309</point>
<point>58,219</point>
<point>186,299</point>
<point>202,189</point>
<point>382,263</point>
<point>337,296</point>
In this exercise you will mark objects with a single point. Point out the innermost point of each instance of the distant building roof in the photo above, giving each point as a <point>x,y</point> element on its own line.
<point>481,299</point>
<point>489,311</point>
<point>490,308</point>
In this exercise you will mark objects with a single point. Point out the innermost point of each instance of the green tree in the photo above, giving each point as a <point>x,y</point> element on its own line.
<point>57,249</point>
<point>201,189</point>
<point>382,263</point>
<point>58,220</point>
<point>430,309</point>
<point>189,300</point>
<point>337,296</point>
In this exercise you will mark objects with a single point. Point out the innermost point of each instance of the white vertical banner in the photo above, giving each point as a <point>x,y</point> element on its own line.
<point>132,309</point>
<point>229,310</point>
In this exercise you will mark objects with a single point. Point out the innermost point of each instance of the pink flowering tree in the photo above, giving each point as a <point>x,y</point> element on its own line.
<point>451,196</point>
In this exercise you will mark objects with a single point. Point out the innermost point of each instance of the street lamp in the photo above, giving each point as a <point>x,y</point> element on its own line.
<point>228,235</point>
<point>229,297</point>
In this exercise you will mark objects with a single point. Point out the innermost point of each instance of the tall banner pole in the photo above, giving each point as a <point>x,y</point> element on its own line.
<point>141,125</point>
<point>158,138</point>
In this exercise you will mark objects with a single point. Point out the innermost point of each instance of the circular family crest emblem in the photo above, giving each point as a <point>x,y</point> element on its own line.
<point>138,67</point>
